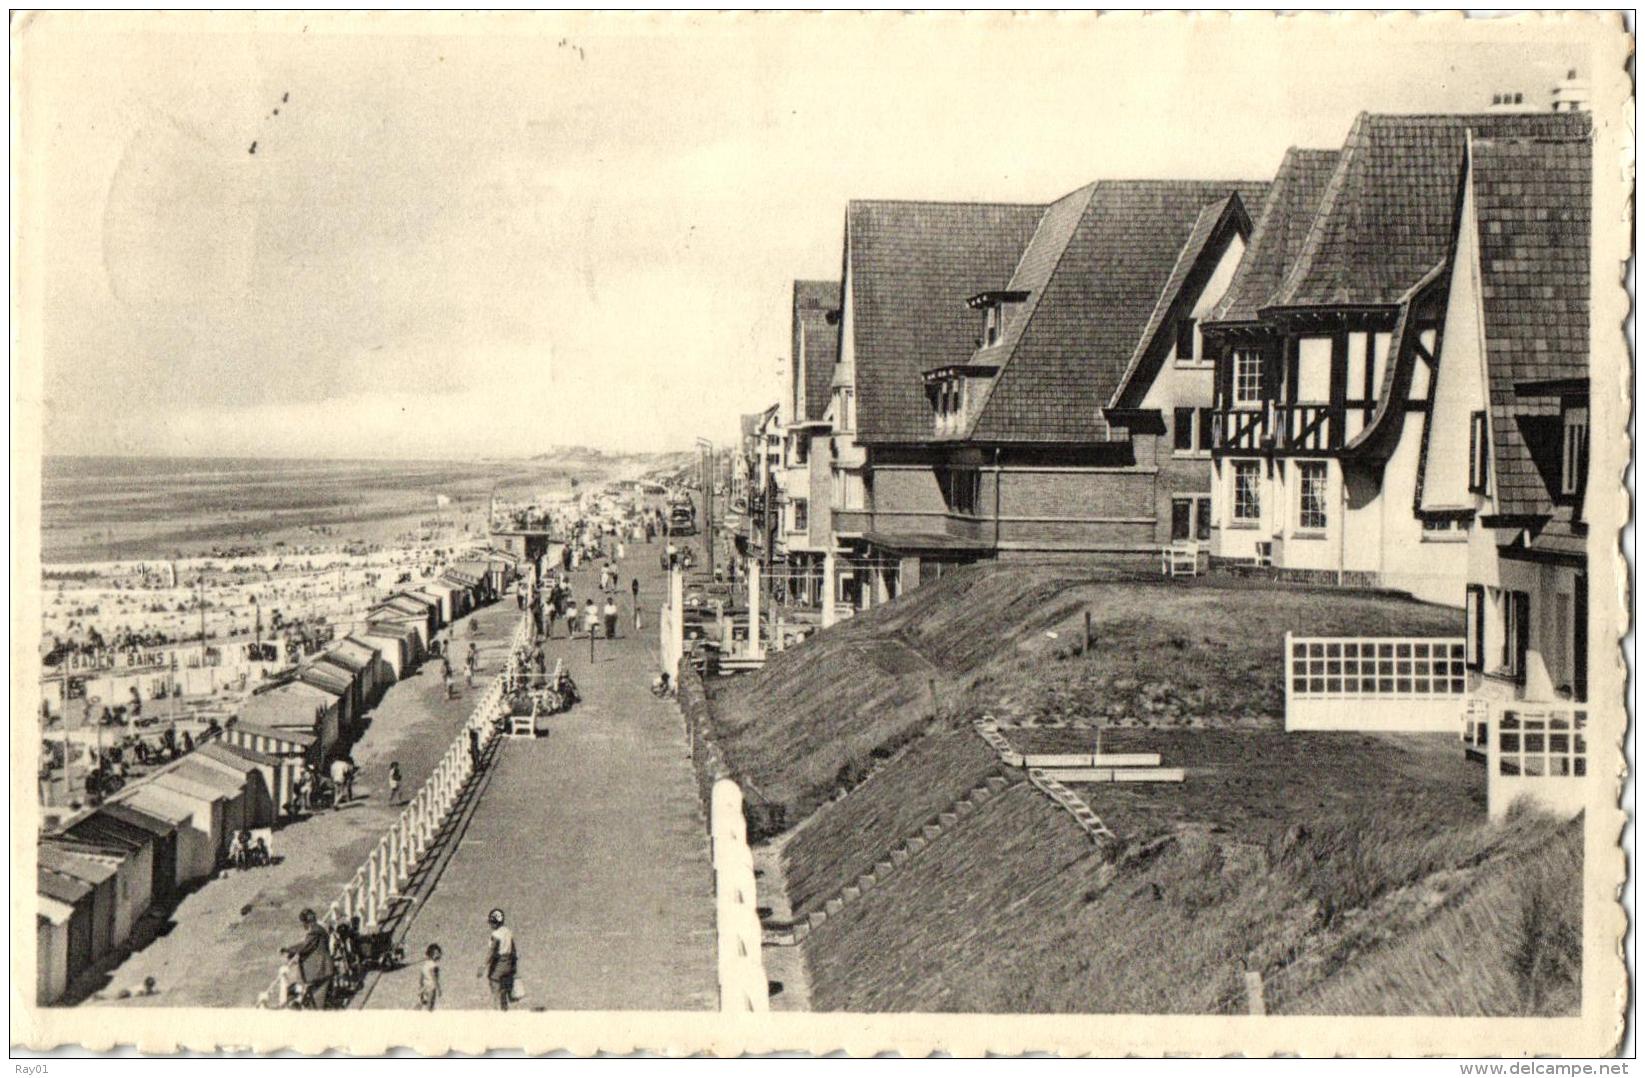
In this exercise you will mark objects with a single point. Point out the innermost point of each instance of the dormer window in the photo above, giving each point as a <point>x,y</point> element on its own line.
<point>996,308</point>
<point>992,326</point>
<point>1573,467</point>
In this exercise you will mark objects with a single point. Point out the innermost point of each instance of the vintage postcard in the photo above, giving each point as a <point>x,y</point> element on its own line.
<point>868,532</point>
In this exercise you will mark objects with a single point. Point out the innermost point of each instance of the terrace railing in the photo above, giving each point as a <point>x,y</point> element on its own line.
<point>376,887</point>
<point>1410,684</point>
<point>1536,753</point>
<point>1278,425</point>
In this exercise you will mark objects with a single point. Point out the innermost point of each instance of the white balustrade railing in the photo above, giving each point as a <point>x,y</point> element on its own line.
<point>377,884</point>
<point>1381,684</point>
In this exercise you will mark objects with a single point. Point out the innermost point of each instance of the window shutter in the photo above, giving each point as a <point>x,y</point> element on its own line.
<point>1521,642</point>
<point>1205,428</point>
<point>1476,627</point>
<point>1579,638</point>
<point>1185,339</point>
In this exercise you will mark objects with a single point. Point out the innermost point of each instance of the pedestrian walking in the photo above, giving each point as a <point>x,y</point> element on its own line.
<point>394,783</point>
<point>428,985</point>
<point>339,780</point>
<point>445,674</point>
<point>610,612</point>
<point>468,668</point>
<point>313,959</point>
<point>591,618</point>
<point>473,746</point>
<point>501,962</point>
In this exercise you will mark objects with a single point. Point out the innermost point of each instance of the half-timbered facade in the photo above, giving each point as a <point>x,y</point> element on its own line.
<point>1325,352</point>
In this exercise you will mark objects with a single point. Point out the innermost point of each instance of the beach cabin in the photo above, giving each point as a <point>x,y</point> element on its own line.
<point>70,875</point>
<point>71,946</point>
<point>258,775</point>
<point>339,682</point>
<point>393,650</point>
<point>439,598</point>
<point>53,925</point>
<point>500,571</point>
<point>473,574</point>
<point>296,707</point>
<point>163,834</point>
<point>102,837</point>
<point>237,802</point>
<point>291,748</point>
<point>408,611</point>
<point>193,856</point>
<point>365,661</point>
<point>211,809</point>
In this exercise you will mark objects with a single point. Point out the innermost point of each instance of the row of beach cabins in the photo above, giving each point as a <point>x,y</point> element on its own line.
<point>102,869</point>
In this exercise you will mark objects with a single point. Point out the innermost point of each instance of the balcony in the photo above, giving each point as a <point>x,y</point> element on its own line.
<point>852,521</point>
<point>1278,426</point>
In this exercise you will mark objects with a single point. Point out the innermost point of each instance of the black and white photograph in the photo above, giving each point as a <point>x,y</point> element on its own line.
<point>834,531</point>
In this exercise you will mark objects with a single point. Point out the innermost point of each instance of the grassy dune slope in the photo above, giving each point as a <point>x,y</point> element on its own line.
<point>845,838</point>
<point>1009,640</point>
<point>1019,912</point>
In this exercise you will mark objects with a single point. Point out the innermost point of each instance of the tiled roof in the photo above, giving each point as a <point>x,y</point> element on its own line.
<point>912,267</point>
<point>1533,201</point>
<point>1277,233</point>
<point>813,302</point>
<point>1093,283</point>
<point>1387,212</point>
<point>1205,229</point>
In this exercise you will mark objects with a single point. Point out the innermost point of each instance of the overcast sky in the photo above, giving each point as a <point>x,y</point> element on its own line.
<point>586,230</point>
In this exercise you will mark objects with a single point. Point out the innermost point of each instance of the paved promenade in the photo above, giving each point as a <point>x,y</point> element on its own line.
<point>591,839</point>
<point>221,945</point>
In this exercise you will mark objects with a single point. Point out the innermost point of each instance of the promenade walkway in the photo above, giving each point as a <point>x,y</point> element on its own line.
<point>220,946</point>
<point>593,842</point>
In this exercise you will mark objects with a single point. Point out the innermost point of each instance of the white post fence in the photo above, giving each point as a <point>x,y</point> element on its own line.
<point>743,985</point>
<point>378,883</point>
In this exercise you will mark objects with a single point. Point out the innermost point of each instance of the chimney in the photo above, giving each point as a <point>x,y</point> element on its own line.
<point>1571,93</point>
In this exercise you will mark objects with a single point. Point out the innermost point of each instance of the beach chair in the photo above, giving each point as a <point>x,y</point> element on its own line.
<point>1181,558</point>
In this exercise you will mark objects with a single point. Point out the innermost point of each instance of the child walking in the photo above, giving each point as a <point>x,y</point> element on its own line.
<point>428,987</point>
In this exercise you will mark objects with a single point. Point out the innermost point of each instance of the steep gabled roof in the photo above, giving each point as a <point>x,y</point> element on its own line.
<point>1094,273</point>
<point>1534,204</point>
<point>1215,219</point>
<point>912,266</point>
<point>1282,223</point>
<point>814,301</point>
<point>1387,212</point>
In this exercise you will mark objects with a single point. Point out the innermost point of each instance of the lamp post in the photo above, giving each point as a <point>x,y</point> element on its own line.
<point>708,501</point>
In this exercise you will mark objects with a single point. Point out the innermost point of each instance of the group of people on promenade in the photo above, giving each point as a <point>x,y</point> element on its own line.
<point>329,958</point>
<point>324,968</point>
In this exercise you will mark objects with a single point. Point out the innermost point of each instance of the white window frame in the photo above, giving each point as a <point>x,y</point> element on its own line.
<point>1253,468</point>
<point>1247,377</point>
<point>1312,473</point>
<point>1574,457</point>
<point>1479,452</point>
